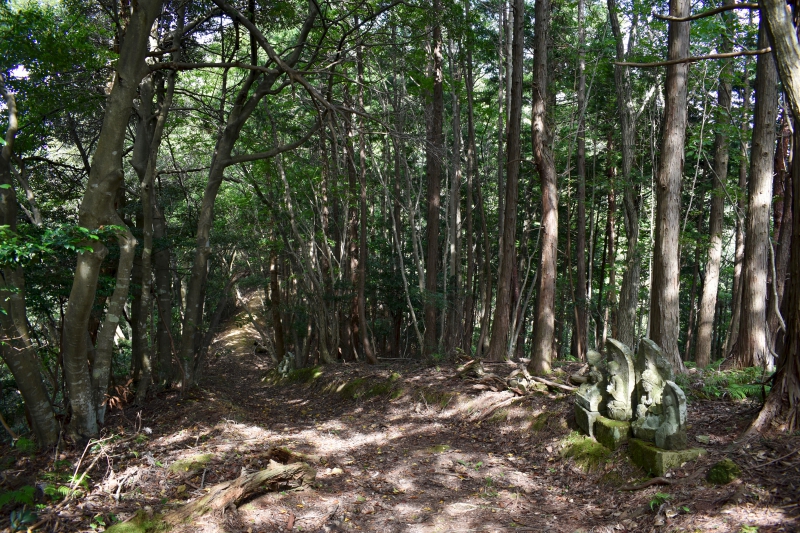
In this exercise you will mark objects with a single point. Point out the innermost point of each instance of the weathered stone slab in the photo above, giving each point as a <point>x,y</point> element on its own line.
<point>671,434</point>
<point>585,419</point>
<point>657,461</point>
<point>611,433</point>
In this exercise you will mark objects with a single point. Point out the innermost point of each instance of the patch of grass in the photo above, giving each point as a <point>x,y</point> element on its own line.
<point>587,453</point>
<point>304,375</point>
<point>734,384</point>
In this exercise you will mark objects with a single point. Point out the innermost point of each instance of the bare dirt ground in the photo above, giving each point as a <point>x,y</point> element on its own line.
<point>402,448</point>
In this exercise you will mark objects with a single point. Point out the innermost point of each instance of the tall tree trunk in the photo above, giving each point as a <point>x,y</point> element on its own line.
<point>687,349</point>
<point>611,259</point>
<point>741,205</point>
<point>580,240</point>
<point>366,344</point>
<point>708,301</point>
<point>499,340</point>
<point>785,172</point>
<point>752,347</point>
<point>784,398</point>
<point>163,285</point>
<point>632,195</point>
<point>434,150</point>
<point>98,209</point>
<point>469,303</point>
<point>665,304</point>
<point>542,349</point>
<point>16,347</point>
<point>455,329</point>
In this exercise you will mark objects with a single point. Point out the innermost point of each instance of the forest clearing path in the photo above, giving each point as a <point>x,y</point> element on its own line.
<point>414,457</point>
<point>413,448</point>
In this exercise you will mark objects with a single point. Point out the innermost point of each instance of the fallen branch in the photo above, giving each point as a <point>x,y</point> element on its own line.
<point>224,494</point>
<point>567,388</point>
<point>648,483</point>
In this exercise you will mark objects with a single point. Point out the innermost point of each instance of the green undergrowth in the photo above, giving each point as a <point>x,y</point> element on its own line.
<point>585,452</point>
<point>732,384</point>
<point>193,463</point>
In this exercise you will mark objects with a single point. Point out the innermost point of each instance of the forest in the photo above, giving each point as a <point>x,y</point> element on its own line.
<point>365,185</point>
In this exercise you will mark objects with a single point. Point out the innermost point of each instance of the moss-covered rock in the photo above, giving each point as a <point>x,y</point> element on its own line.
<point>611,433</point>
<point>190,464</point>
<point>657,461</point>
<point>304,375</point>
<point>587,453</point>
<point>723,472</point>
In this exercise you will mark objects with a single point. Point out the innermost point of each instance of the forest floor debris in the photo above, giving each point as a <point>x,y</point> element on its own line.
<point>396,448</point>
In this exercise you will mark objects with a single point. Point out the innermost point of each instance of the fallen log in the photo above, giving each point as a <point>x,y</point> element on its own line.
<point>231,492</point>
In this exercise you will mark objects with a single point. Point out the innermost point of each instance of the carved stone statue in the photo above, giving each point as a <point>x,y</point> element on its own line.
<point>589,398</point>
<point>621,381</point>
<point>671,433</point>
<point>653,371</point>
<point>590,394</point>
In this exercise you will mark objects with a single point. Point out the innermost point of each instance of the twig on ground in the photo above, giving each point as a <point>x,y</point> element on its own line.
<point>648,483</point>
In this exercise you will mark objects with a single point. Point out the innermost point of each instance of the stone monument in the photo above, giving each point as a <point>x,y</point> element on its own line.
<point>589,398</point>
<point>652,373</point>
<point>621,381</point>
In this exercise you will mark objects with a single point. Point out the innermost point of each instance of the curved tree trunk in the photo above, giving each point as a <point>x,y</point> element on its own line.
<point>16,347</point>
<point>98,209</point>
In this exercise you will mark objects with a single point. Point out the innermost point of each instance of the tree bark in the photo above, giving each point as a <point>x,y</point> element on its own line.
<point>98,209</point>
<point>665,304</point>
<point>498,344</point>
<point>632,195</point>
<point>732,332</point>
<point>16,346</point>
<point>580,240</point>
<point>544,326</point>
<point>469,303</point>
<point>366,344</point>
<point>433,168</point>
<point>784,398</point>
<point>752,346</point>
<point>708,300</point>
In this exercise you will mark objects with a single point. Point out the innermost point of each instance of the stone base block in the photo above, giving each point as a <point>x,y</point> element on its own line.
<point>657,461</point>
<point>611,433</point>
<point>585,419</point>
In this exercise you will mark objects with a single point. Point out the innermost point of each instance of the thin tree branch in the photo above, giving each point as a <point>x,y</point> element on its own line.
<point>693,59</point>
<point>275,151</point>
<point>708,13</point>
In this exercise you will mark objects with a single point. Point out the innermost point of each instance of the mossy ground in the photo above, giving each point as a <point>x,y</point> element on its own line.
<point>723,472</point>
<point>585,452</point>
<point>141,524</point>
